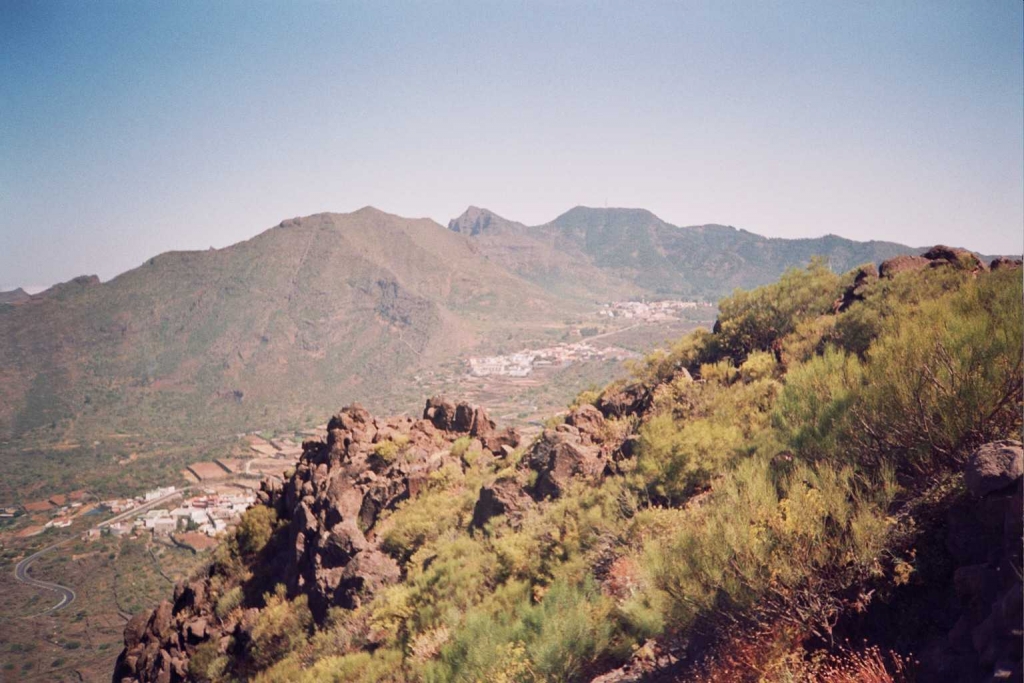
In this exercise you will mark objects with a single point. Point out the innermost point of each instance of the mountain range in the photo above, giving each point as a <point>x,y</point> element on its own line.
<point>323,310</point>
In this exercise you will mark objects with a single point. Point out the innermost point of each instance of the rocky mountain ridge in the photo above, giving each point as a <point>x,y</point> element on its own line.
<point>325,547</point>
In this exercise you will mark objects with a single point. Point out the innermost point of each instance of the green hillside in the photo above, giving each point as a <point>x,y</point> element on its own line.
<point>308,315</point>
<point>825,488</point>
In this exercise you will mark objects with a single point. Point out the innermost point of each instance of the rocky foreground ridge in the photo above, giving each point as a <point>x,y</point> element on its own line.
<point>328,548</point>
<point>330,515</point>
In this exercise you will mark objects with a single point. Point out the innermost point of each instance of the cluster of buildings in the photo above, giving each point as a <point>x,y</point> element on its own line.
<point>61,509</point>
<point>211,514</point>
<point>649,311</point>
<point>523,363</point>
<point>119,505</point>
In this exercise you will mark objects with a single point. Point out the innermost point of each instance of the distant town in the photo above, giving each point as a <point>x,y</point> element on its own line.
<point>522,363</point>
<point>650,311</point>
<point>217,493</point>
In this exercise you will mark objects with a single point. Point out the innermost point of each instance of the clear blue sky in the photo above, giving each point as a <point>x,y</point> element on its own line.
<point>131,128</point>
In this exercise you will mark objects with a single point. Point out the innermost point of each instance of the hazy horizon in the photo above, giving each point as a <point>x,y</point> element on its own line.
<point>134,129</point>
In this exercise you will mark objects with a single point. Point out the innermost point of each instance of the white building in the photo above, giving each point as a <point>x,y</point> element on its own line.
<point>159,493</point>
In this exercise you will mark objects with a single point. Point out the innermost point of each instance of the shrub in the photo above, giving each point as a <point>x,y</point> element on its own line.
<point>255,529</point>
<point>207,664</point>
<point>282,626</point>
<point>758,365</point>
<point>677,459</point>
<point>460,445</point>
<point>425,519</point>
<point>788,548</point>
<point>386,451</point>
<point>552,640</point>
<point>756,320</point>
<point>227,602</point>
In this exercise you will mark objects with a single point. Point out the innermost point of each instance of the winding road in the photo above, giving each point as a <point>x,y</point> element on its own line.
<point>67,595</point>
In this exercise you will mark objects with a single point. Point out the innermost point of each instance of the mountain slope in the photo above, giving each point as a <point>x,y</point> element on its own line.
<point>632,251</point>
<point>307,315</point>
<point>15,296</point>
<point>780,499</point>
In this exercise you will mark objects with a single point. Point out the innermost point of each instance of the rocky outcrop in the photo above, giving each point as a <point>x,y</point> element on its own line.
<point>902,264</point>
<point>939,256</point>
<point>326,546</point>
<point>962,259</point>
<point>578,449</point>
<point>862,278</point>
<point>993,467</point>
<point>984,542</point>
<point>622,401</point>
<point>503,497</point>
<point>1001,263</point>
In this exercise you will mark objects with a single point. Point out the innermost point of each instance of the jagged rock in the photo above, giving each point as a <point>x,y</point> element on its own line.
<point>994,466</point>
<point>503,497</point>
<point>588,420</point>
<point>498,441</point>
<point>985,544</point>
<point>327,548</point>
<point>962,259</point>
<point>196,629</point>
<point>558,457</point>
<point>363,576</point>
<point>135,629</point>
<point>902,264</point>
<point>341,544</point>
<point>624,401</point>
<point>1001,263</point>
<point>440,412</point>
<point>160,623</point>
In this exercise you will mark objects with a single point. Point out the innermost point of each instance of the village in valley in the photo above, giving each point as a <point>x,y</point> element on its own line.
<point>633,313</point>
<point>211,501</point>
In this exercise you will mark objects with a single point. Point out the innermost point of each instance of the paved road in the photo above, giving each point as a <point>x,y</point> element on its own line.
<point>67,595</point>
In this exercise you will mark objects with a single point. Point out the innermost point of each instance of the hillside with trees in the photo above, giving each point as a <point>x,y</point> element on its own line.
<point>826,487</point>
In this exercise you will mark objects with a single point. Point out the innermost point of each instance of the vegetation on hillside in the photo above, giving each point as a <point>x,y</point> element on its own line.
<point>777,467</point>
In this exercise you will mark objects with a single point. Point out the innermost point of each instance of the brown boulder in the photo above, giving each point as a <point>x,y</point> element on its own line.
<point>588,420</point>
<point>440,413</point>
<point>195,629</point>
<point>558,457</point>
<point>623,401</point>
<point>961,259</point>
<point>341,543</point>
<point>160,623</point>
<point>994,466</point>
<point>902,264</point>
<point>135,629</point>
<point>1001,263</point>
<point>368,572</point>
<point>503,497</point>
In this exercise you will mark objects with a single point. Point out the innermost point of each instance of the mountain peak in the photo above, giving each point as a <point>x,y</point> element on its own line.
<point>475,220</point>
<point>581,213</point>
<point>14,296</point>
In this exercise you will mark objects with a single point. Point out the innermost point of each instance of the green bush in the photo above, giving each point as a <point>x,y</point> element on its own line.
<point>207,664</point>
<point>789,547</point>
<point>755,320</point>
<point>460,446</point>
<point>227,602</point>
<point>255,529</point>
<point>676,459</point>
<point>386,451</point>
<point>282,626</point>
<point>552,640</point>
